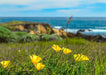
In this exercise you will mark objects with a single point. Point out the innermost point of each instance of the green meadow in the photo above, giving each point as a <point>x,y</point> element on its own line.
<point>56,63</point>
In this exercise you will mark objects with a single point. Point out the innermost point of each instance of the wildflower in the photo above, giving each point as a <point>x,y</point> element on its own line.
<point>35,59</point>
<point>56,48</point>
<point>19,51</point>
<point>66,50</point>
<point>39,66</point>
<point>80,57</point>
<point>5,63</point>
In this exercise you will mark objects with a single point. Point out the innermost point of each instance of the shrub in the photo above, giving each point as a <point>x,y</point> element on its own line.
<point>55,37</point>
<point>52,37</point>
<point>25,37</point>
<point>43,37</point>
<point>6,35</point>
<point>28,38</point>
<point>21,33</point>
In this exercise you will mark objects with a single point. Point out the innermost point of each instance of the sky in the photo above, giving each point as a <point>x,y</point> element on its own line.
<point>52,8</point>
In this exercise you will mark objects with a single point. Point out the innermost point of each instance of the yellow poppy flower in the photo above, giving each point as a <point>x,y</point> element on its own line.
<point>19,51</point>
<point>35,59</point>
<point>56,48</point>
<point>5,63</point>
<point>66,50</point>
<point>39,66</point>
<point>80,57</point>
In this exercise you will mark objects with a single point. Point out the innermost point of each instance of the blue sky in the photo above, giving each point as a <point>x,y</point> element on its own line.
<point>52,8</point>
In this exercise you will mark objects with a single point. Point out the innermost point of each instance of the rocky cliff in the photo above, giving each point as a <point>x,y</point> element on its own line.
<point>35,28</point>
<point>45,28</point>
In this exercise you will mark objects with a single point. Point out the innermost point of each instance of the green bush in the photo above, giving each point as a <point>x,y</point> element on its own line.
<point>52,37</point>
<point>25,37</point>
<point>21,33</point>
<point>6,35</point>
<point>43,37</point>
<point>28,38</point>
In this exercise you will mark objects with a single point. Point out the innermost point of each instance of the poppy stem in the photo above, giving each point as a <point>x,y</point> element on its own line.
<point>37,72</point>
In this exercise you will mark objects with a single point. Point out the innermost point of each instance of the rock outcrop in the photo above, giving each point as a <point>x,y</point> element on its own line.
<point>39,28</point>
<point>60,32</point>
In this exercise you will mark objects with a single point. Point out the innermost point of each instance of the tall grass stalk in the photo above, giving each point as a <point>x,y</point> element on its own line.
<point>68,21</point>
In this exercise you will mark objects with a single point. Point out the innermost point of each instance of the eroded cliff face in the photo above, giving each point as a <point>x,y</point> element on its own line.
<point>39,28</point>
<point>20,27</point>
<point>60,32</point>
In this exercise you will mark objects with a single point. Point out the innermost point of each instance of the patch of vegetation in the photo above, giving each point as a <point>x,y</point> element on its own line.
<point>20,34</point>
<point>34,28</point>
<point>54,37</point>
<point>10,28</point>
<point>56,63</point>
<point>15,23</point>
<point>47,37</point>
<point>9,24</point>
<point>6,35</point>
<point>25,37</point>
<point>43,37</point>
<point>28,38</point>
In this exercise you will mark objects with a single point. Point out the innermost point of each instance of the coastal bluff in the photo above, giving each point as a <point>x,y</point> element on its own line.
<point>33,28</point>
<point>36,28</point>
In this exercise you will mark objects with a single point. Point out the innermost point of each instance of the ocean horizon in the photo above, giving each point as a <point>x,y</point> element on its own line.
<point>96,25</point>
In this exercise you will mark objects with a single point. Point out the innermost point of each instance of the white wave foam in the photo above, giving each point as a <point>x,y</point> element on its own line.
<point>98,30</point>
<point>91,32</point>
<point>57,27</point>
<point>71,30</point>
<point>86,30</point>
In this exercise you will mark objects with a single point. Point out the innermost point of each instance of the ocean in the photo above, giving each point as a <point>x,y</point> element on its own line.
<point>96,25</point>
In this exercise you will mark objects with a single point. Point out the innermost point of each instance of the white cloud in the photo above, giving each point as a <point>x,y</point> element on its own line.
<point>17,2</point>
<point>57,2</point>
<point>46,4</point>
<point>102,1</point>
<point>73,11</point>
<point>41,4</point>
<point>70,12</point>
